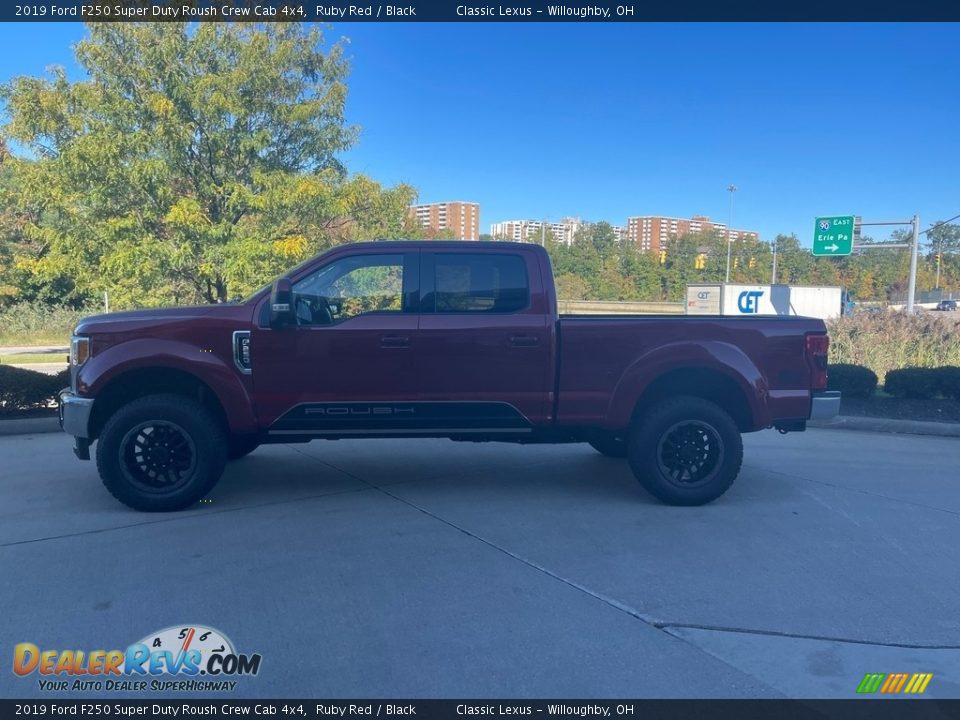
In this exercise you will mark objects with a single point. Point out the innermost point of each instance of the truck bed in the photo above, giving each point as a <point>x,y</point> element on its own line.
<point>604,359</point>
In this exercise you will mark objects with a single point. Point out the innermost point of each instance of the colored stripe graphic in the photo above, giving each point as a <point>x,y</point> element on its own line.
<point>892,683</point>
<point>918,683</point>
<point>870,682</point>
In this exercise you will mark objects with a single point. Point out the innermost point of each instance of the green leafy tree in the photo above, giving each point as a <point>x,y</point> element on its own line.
<point>572,287</point>
<point>191,164</point>
<point>642,269</point>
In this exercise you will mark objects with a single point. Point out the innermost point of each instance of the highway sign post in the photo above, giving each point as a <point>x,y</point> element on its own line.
<point>833,235</point>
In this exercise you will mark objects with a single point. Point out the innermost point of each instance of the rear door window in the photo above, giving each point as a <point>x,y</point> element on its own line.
<point>478,283</point>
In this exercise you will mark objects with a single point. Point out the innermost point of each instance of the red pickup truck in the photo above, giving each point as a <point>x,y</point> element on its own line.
<point>431,339</point>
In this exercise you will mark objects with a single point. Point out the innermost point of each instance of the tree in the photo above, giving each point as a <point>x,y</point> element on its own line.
<point>193,162</point>
<point>944,239</point>
<point>572,287</point>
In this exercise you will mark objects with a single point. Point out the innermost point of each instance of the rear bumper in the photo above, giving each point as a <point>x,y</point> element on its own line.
<point>74,415</point>
<point>825,405</point>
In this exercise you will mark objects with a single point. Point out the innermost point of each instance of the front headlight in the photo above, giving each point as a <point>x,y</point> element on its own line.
<point>79,350</point>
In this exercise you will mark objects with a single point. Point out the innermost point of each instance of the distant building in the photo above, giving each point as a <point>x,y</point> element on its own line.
<point>457,215</point>
<point>650,232</point>
<point>533,230</point>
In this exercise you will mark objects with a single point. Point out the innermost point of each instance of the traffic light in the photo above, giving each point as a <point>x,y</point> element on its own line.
<point>753,262</point>
<point>701,262</point>
<point>736,263</point>
<point>663,256</point>
<point>937,256</point>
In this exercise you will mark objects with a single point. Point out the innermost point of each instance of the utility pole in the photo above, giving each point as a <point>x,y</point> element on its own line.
<point>543,233</point>
<point>912,285</point>
<point>939,259</point>
<point>773,280</point>
<point>913,244</point>
<point>731,189</point>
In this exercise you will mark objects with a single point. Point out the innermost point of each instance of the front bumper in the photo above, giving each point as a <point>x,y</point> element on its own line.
<point>74,412</point>
<point>825,405</point>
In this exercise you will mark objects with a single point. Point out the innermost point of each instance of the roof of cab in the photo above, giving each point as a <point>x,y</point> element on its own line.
<point>444,244</point>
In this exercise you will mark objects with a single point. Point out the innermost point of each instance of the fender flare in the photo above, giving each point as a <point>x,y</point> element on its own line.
<point>141,354</point>
<point>715,355</point>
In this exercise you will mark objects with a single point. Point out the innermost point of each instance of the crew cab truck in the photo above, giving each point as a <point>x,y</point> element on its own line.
<point>460,340</point>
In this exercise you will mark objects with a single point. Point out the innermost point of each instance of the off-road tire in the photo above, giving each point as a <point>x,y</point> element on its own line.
<point>685,436</point>
<point>157,441</point>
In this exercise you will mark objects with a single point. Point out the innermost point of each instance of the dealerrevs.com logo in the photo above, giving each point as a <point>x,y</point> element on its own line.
<point>178,658</point>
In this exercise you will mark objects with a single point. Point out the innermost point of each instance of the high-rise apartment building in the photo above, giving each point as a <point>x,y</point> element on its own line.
<point>457,215</point>
<point>534,230</point>
<point>649,232</point>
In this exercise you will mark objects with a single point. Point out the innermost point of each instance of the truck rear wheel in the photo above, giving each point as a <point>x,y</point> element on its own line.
<point>161,453</point>
<point>685,451</point>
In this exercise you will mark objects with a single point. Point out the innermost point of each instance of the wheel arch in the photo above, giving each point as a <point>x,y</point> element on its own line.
<point>702,382</point>
<point>143,381</point>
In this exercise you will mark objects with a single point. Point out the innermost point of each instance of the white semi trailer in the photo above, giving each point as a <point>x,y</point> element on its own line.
<point>724,299</point>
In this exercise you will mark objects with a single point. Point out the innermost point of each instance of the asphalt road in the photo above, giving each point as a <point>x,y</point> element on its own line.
<point>426,568</point>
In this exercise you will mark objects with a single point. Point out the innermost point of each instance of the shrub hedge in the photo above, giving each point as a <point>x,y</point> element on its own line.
<point>894,340</point>
<point>852,380</point>
<point>912,382</point>
<point>948,381</point>
<point>22,389</point>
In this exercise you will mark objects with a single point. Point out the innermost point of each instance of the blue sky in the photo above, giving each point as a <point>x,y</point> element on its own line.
<point>608,120</point>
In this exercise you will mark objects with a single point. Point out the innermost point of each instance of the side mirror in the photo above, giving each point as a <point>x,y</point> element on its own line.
<point>282,311</point>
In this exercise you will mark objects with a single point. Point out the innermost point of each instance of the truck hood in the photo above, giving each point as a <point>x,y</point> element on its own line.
<point>131,320</point>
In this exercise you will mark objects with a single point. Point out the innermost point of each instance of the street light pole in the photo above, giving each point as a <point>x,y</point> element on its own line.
<point>731,189</point>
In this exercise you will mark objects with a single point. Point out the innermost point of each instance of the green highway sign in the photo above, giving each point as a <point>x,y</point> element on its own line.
<point>833,235</point>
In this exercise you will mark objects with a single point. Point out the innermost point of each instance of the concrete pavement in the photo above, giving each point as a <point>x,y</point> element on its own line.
<point>426,568</point>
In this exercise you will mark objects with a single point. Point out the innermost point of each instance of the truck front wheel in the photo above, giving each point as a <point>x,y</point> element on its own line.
<point>161,453</point>
<point>685,451</point>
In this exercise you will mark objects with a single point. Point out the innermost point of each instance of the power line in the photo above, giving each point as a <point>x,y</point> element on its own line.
<point>940,224</point>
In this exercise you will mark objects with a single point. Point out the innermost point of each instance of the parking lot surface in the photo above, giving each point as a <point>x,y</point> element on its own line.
<point>427,568</point>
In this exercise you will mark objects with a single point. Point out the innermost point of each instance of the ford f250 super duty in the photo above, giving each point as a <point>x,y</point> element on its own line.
<point>431,339</point>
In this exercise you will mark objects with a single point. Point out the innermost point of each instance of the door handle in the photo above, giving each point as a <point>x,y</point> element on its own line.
<point>524,340</point>
<point>394,341</point>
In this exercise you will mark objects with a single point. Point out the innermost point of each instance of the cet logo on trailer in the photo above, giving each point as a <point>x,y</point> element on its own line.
<point>749,301</point>
<point>891,683</point>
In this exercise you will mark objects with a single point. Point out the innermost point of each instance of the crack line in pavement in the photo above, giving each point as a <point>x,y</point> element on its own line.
<point>856,490</point>
<point>668,626</point>
<point>661,625</point>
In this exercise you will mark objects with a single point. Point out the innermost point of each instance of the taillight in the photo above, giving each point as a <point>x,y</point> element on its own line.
<point>815,350</point>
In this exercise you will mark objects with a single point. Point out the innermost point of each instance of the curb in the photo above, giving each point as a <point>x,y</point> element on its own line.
<point>887,425</point>
<point>29,426</point>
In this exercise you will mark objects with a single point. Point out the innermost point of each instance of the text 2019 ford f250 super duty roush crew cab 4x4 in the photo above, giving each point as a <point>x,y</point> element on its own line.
<point>431,339</point>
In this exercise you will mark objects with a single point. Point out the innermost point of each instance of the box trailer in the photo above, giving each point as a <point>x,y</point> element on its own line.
<point>805,300</point>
